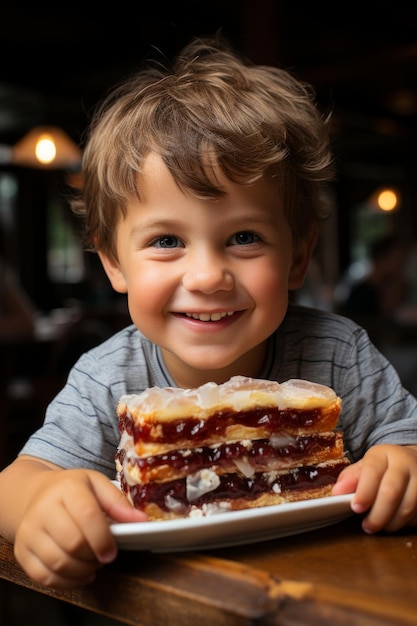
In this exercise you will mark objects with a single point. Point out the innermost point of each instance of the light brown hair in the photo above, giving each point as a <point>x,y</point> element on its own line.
<point>212,112</point>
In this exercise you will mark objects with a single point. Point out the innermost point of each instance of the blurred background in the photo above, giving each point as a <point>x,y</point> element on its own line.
<point>55,67</point>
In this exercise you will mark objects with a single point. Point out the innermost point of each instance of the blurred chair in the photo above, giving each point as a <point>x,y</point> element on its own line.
<point>26,397</point>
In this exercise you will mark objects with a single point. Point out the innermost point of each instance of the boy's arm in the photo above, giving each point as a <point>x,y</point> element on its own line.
<point>58,520</point>
<point>16,486</point>
<point>385,485</point>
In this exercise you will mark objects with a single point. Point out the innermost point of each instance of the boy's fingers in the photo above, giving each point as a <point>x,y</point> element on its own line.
<point>104,497</point>
<point>347,480</point>
<point>115,504</point>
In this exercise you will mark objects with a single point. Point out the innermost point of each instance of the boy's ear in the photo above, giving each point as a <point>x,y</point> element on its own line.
<point>114,273</point>
<point>303,249</point>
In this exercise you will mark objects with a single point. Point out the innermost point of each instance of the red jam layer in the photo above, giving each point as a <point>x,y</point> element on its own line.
<point>235,486</point>
<point>271,420</point>
<point>257,454</point>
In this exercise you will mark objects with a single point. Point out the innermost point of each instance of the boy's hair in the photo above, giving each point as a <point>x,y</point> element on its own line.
<point>213,113</point>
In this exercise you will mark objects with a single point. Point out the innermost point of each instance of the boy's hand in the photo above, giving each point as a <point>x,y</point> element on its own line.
<point>64,535</point>
<point>385,485</point>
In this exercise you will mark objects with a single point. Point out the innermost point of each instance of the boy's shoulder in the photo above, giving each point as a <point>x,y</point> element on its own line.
<point>319,345</point>
<point>124,361</point>
<point>308,319</point>
<point>126,346</point>
<point>122,337</point>
<point>309,331</point>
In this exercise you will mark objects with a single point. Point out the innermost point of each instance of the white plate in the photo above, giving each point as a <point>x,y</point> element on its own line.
<point>234,527</point>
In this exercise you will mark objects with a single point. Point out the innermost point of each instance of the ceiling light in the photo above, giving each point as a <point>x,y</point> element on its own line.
<point>46,147</point>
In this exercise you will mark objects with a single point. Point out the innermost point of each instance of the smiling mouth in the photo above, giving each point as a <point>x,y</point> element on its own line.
<point>209,317</point>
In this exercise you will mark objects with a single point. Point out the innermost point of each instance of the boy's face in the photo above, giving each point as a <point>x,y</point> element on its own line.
<point>207,280</point>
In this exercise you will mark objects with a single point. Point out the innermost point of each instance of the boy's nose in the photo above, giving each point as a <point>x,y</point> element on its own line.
<point>208,275</point>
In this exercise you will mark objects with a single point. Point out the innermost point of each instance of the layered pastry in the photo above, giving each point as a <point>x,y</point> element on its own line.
<point>242,444</point>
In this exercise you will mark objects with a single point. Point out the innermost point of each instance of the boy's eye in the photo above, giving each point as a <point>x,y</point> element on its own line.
<point>243,238</point>
<point>167,241</point>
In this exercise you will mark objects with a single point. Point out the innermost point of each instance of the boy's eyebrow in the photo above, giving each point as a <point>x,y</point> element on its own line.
<point>158,224</point>
<point>239,222</point>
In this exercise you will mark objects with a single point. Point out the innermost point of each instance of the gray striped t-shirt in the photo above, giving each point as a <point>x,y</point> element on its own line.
<point>81,428</point>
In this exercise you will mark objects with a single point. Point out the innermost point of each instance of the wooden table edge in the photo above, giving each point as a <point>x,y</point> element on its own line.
<point>210,590</point>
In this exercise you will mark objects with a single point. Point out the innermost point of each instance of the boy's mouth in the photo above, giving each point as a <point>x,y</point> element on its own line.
<point>209,317</point>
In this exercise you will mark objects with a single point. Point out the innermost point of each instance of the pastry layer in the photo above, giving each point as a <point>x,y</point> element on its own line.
<point>179,498</point>
<point>242,408</point>
<point>246,456</point>
<point>240,392</point>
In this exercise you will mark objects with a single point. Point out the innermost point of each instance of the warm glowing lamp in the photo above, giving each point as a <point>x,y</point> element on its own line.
<point>384,200</point>
<point>387,200</point>
<point>46,147</point>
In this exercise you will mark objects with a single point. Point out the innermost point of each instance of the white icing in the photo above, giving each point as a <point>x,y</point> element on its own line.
<point>212,508</point>
<point>174,505</point>
<point>201,482</point>
<point>279,440</point>
<point>126,441</point>
<point>244,466</point>
<point>237,393</point>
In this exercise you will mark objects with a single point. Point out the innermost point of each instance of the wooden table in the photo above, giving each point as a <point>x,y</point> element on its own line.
<point>332,576</point>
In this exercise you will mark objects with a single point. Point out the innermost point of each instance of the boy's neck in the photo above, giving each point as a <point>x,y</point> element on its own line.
<point>250,364</point>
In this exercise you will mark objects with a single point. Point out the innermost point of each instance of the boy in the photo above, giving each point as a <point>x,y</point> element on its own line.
<point>201,196</point>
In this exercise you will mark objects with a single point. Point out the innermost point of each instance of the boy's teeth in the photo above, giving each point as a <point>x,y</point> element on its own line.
<point>208,317</point>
